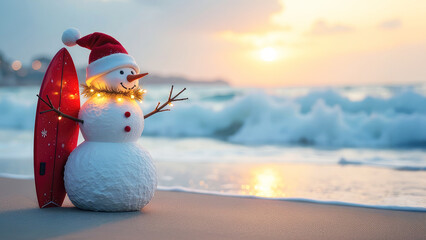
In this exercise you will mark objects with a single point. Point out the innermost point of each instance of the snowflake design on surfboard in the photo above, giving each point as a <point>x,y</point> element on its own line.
<point>44,133</point>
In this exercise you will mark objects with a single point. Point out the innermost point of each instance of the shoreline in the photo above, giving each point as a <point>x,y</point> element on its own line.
<point>177,215</point>
<point>216,193</point>
<point>300,200</point>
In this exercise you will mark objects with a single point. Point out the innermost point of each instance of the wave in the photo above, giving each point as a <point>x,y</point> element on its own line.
<point>17,112</point>
<point>320,118</point>
<point>324,118</point>
<point>372,163</point>
<point>16,176</point>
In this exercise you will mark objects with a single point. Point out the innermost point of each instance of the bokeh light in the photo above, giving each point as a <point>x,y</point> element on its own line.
<point>16,65</point>
<point>36,65</point>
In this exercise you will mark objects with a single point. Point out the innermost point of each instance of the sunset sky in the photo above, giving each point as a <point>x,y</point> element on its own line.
<point>248,42</point>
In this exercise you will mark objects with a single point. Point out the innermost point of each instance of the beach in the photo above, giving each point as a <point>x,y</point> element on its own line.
<point>204,120</point>
<point>177,215</point>
<point>220,180</point>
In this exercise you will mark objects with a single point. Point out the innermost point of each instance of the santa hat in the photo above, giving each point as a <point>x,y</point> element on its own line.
<point>107,54</point>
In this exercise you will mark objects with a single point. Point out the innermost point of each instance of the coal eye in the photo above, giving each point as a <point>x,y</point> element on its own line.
<point>132,72</point>
<point>121,72</point>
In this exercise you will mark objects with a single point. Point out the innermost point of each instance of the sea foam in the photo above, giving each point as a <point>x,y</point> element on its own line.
<point>320,117</point>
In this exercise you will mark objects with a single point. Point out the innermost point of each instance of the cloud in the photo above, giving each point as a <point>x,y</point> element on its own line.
<point>321,27</point>
<point>218,15</point>
<point>390,24</point>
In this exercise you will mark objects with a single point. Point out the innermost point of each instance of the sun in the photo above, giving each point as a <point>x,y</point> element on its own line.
<point>268,54</point>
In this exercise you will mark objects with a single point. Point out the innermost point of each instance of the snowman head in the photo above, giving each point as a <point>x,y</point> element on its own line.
<point>110,66</point>
<point>121,79</point>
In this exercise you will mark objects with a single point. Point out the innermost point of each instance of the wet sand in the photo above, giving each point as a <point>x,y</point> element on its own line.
<point>176,215</point>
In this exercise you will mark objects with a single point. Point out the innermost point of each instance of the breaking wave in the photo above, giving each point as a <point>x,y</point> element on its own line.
<point>325,118</point>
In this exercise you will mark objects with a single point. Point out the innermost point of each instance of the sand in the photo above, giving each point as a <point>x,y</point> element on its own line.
<point>175,215</point>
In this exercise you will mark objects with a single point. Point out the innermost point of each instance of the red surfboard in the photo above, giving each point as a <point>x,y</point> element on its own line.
<point>55,138</point>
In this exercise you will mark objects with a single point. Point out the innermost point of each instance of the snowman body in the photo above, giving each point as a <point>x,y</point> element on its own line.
<point>110,171</point>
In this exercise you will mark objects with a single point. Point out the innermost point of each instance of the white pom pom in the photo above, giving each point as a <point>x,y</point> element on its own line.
<point>70,36</point>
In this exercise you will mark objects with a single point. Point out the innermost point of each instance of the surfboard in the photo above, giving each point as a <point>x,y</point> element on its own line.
<point>54,137</point>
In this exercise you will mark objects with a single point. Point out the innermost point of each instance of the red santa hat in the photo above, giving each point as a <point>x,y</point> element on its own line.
<point>107,54</point>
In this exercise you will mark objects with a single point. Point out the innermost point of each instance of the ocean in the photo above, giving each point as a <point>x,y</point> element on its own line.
<point>348,145</point>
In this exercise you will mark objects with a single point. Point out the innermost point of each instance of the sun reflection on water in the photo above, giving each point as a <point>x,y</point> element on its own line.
<point>264,182</point>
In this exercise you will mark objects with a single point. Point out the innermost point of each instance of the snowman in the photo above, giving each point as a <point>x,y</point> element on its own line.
<point>110,171</point>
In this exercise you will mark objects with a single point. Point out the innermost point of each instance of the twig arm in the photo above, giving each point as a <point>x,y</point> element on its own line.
<point>171,99</point>
<point>61,114</point>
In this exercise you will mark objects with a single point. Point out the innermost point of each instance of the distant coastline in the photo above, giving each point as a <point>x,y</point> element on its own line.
<point>157,79</point>
<point>14,73</point>
<point>152,79</point>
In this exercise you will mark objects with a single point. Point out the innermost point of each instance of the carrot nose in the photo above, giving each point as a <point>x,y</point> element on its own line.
<point>132,78</point>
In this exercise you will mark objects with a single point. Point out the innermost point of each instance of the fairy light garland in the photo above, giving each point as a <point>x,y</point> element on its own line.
<point>134,94</point>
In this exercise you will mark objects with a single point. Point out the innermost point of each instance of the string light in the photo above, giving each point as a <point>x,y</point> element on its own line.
<point>171,104</point>
<point>134,94</point>
<point>140,101</point>
<point>119,99</point>
<point>60,117</point>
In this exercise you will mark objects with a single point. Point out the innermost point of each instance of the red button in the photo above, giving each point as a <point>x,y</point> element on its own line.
<point>127,129</point>
<point>127,114</point>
